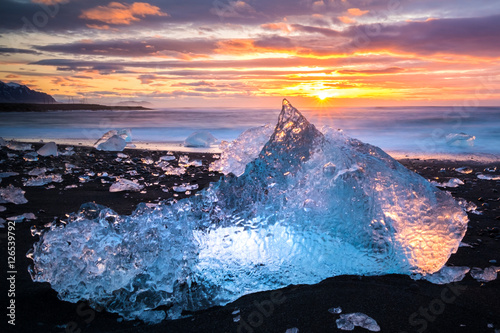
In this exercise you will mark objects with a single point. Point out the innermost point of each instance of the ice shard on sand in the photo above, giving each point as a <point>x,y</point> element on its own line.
<point>310,206</point>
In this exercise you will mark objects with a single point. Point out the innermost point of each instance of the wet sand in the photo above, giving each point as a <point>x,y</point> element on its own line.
<point>396,302</point>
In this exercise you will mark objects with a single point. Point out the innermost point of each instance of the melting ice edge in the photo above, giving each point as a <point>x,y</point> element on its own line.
<point>309,205</point>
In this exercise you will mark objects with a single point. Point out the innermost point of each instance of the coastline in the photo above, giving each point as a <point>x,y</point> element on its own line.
<point>36,107</point>
<point>392,300</point>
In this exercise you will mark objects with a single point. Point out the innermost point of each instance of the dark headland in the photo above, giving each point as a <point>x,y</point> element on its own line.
<point>32,107</point>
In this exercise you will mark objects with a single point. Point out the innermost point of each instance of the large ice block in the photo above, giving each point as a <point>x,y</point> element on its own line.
<point>311,205</point>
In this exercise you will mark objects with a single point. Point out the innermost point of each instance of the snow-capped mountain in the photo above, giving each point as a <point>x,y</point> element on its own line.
<point>15,93</point>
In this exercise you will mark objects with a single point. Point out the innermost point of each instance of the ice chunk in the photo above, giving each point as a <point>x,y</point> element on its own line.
<point>469,206</point>
<point>454,182</point>
<point>12,194</point>
<point>14,145</point>
<point>336,310</point>
<point>37,171</point>
<point>31,157</point>
<point>68,151</point>
<point>121,155</point>
<point>202,139</point>
<point>185,187</point>
<point>166,158</point>
<point>485,275</point>
<point>448,274</point>
<point>21,218</point>
<point>124,134</point>
<point>488,177</point>
<point>114,143</point>
<point>460,140</point>
<point>347,322</point>
<point>43,180</point>
<point>8,174</point>
<point>237,154</point>
<point>49,149</point>
<point>147,160</point>
<point>290,218</point>
<point>465,170</point>
<point>125,185</point>
<point>171,171</point>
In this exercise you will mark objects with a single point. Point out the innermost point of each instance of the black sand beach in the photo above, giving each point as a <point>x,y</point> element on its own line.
<point>396,302</point>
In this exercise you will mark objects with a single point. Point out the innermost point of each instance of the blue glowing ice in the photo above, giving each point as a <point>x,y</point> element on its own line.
<point>311,205</point>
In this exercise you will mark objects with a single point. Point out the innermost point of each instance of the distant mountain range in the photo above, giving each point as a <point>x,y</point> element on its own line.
<point>16,93</point>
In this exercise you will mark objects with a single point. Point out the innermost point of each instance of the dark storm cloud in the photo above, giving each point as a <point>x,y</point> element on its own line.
<point>10,50</point>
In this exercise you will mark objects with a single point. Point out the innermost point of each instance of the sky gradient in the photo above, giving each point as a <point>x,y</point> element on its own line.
<point>255,52</point>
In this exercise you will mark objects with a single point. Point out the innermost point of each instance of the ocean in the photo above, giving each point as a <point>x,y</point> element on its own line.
<point>412,131</point>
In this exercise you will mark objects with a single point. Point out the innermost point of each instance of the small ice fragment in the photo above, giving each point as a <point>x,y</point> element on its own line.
<point>469,206</point>
<point>125,185</point>
<point>485,275</point>
<point>491,169</point>
<point>201,139</point>
<point>235,312</point>
<point>147,160</point>
<point>8,174</point>
<point>460,140</point>
<point>71,186</point>
<point>43,180</point>
<point>114,143</point>
<point>167,158</point>
<point>31,157</point>
<point>133,172</point>
<point>337,310</point>
<point>2,209</point>
<point>121,155</point>
<point>14,145</point>
<point>68,151</point>
<point>488,177</point>
<point>454,182</point>
<point>448,274</point>
<point>237,318</point>
<point>21,218</point>
<point>465,170</point>
<point>37,171</point>
<point>171,171</point>
<point>49,149</point>
<point>12,194</point>
<point>347,322</point>
<point>185,187</point>
<point>292,330</point>
<point>464,244</point>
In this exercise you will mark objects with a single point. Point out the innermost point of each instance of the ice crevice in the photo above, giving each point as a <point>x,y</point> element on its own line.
<point>307,205</point>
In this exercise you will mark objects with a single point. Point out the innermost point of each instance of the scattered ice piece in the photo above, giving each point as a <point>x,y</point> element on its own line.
<point>147,160</point>
<point>171,171</point>
<point>37,171</point>
<point>43,180</point>
<point>71,186</point>
<point>237,318</point>
<point>31,157</point>
<point>124,134</point>
<point>167,158</point>
<point>347,322</point>
<point>235,312</point>
<point>492,261</point>
<point>469,206</point>
<point>485,275</point>
<point>454,182</point>
<point>14,145</point>
<point>460,140</point>
<point>336,310</point>
<point>133,172</point>
<point>12,194</point>
<point>464,244</point>
<point>185,187</point>
<point>292,330</point>
<point>121,155</point>
<point>125,185</point>
<point>488,177</point>
<point>2,209</point>
<point>448,274</point>
<point>49,149</point>
<point>114,143</point>
<point>68,151</point>
<point>201,139</point>
<point>465,170</point>
<point>8,174</point>
<point>237,154</point>
<point>21,218</point>
<point>491,169</point>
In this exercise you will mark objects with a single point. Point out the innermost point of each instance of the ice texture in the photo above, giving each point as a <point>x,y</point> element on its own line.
<point>311,205</point>
<point>454,182</point>
<point>43,180</point>
<point>460,140</point>
<point>49,149</point>
<point>125,185</point>
<point>202,139</point>
<point>347,322</point>
<point>448,274</point>
<point>12,194</point>
<point>114,143</point>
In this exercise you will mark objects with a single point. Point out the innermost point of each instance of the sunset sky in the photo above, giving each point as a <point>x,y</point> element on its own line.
<point>254,52</point>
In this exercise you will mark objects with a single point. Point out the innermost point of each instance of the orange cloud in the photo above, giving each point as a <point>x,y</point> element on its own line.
<point>357,12</point>
<point>121,13</point>
<point>49,2</point>
<point>346,19</point>
<point>278,26</point>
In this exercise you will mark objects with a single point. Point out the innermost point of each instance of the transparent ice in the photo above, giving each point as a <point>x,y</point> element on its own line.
<point>125,185</point>
<point>14,145</point>
<point>347,322</point>
<point>43,180</point>
<point>114,143</point>
<point>488,177</point>
<point>460,140</point>
<point>49,149</point>
<point>311,205</point>
<point>448,274</point>
<point>13,195</point>
<point>485,275</point>
<point>200,139</point>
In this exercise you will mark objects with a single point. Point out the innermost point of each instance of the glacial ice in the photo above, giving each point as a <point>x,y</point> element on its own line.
<point>488,177</point>
<point>43,180</point>
<point>8,174</point>
<point>203,139</point>
<point>485,275</point>
<point>12,194</point>
<point>347,322</point>
<point>454,182</point>
<point>448,274</point>
<point>49,149</point>
<point>125,134</point>
<point>14,145</point>
<point>21,218</point>
<point>125,185</point>
<point>460,140</point>
<point>114,143</point>
<point>311,205</point>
